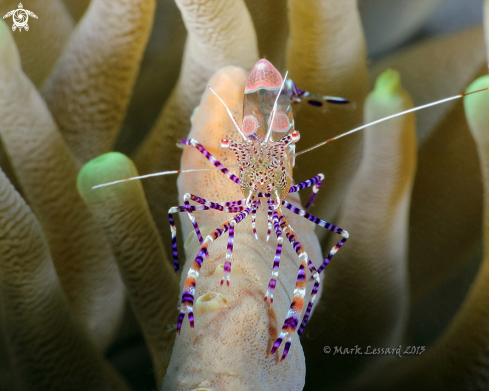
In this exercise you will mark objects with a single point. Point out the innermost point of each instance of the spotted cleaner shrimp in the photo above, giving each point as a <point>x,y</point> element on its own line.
<point>265,159</point>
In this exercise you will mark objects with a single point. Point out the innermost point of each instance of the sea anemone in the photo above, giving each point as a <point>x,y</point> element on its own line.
<point>71,255</point>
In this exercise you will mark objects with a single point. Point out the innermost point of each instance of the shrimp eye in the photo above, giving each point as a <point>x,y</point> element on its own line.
<point>224,143</point>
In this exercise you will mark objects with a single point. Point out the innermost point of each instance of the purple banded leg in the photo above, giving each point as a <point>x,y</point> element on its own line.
<point>324,224</point>
<point>233,206</point>
<point>315,189</point>
<point>229,254</point>
<point>315,182</point>
<point>178,209</point>
<point>212,159</point>
<point>173,229</point>
<point>315,289</point>
<point>276,262</point>
<point>291,236</point>
<point>294,313</point>
<point>228,207</point>
<point>222,206</point>
<point>192,218</point>
<point>229,250</point>
<point>297,96</point>
<point>270,216</point>
<point>193,273</point>
<point>253,219</point>
<point>190,283</point>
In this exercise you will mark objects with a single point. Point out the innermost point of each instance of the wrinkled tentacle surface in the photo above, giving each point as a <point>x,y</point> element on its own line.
<point>326,55</point>
<point>48,345</point>
<point>88,95</point>
<point>369,275</point>
<point>458,359</point>
<point>148,275</point>
<point>47,172</point>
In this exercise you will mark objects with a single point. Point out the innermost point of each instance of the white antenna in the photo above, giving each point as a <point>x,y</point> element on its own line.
<point>229,112</point>
<point>270,122</point>
<point>389,117</point>
<point>157,174</point>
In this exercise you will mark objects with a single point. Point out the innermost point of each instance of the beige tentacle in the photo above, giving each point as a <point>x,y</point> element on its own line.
<point>90,88</point>
<point>49,347</point>
<point>157,78</point>
<point>47,172</point>
<point>327,56</point>
<point>447,192</point>
<point>272,29</point>
<point>458,360</point>
<point>365,297</point>
<point>149,278</point>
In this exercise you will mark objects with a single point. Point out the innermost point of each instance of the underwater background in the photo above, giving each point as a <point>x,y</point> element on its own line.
<point>127,76</point>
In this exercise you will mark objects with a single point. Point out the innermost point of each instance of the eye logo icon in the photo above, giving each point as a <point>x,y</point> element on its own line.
<point>20,16</point>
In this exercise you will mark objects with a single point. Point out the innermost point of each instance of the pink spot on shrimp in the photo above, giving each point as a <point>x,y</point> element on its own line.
<point>280,122</point>
<point>250,124</point>
<point>263,74</point>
